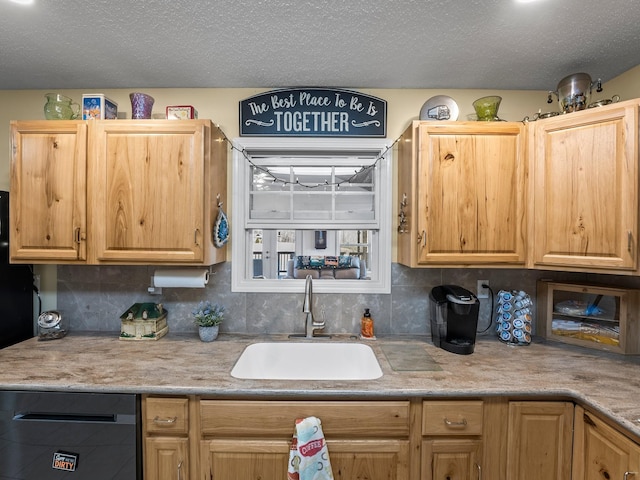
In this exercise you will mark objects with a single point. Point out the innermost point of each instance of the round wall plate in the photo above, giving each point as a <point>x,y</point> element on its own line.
<point>440,107</point>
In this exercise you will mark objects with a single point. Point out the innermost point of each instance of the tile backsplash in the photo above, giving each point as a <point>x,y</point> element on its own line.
<point>92,298</point>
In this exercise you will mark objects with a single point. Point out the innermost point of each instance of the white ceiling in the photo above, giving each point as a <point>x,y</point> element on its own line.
<point>494,44</point>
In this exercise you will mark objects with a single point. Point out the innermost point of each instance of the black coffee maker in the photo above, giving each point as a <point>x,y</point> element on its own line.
<point>454,318</point>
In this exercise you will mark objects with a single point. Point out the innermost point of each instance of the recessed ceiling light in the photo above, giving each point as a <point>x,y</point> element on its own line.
<point>23,2</point>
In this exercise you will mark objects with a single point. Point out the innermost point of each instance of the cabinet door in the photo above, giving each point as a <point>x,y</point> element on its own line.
<point>147,182</point>
<point>268,459</point>
<point>471,191</point>
<point>600,452</point>
<point>451,460</point>
<point>244,459</point>
<point>585,189</point>
<point>166,458</point>
<point>540,440</point>
<point>48,191</point>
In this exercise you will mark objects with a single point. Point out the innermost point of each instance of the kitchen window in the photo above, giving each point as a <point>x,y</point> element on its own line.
<point>311,206</point>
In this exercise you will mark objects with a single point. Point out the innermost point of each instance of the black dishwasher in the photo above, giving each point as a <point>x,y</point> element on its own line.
<point>65,436</point>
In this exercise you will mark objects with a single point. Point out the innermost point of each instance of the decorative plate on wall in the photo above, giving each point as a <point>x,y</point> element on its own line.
<point>440,107</point>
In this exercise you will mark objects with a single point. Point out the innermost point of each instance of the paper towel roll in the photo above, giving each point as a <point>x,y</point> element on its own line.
<point>181,277</point>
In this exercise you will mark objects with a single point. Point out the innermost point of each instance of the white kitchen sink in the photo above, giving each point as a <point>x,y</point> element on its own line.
<point>307,361</point>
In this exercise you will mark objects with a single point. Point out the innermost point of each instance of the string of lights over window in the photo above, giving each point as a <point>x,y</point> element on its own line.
<point>326,183</point>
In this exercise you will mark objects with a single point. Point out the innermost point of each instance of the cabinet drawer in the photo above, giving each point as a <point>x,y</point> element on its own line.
<point>167,415</point>
<point>277,418</point>
<point>452,418</point>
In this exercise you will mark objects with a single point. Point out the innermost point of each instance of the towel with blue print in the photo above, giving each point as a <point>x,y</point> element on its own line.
<point>309,455</point>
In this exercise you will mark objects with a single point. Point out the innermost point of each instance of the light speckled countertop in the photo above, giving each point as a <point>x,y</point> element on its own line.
<point>182,364</point>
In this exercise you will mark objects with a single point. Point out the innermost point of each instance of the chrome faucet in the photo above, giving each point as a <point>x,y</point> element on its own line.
<point>310,325</point>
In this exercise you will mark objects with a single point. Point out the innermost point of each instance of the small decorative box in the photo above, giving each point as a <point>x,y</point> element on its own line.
<point>96,105</point>
<point>181,112</point>
<point>144,321</point>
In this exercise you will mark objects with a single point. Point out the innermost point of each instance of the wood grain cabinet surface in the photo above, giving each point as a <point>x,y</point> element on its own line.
<point>166,427</point>
<point>48,219</point>
<point>117,192</point>
<point>452,440</point>
<point>191,437</point>
<point>585,190</point>
<point>461,194</point>
<point>251,439</point>
<point>540,437</point>
<point>601,452</point>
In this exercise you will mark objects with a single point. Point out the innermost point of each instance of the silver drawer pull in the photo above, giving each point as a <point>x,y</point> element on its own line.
<point>165,421</point>
<point>460,424</point>
<point>627,474</point>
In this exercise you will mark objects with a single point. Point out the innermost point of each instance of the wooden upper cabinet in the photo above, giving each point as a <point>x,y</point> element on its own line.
<point>119,192</point>
<point>465,186</point>
<point>48,221</point>
<point>585,190</point>
<point>147,189</point>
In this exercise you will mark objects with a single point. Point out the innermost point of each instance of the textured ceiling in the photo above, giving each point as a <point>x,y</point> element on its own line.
<point>495,44</point>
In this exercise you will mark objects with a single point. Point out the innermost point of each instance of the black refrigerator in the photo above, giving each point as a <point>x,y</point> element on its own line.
<point>16,288</point>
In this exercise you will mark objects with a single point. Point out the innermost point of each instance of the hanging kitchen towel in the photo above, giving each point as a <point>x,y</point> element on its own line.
<point>309,455</point>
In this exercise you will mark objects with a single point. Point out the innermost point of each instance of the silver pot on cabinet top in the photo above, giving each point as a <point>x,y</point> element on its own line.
<point>573,92</point>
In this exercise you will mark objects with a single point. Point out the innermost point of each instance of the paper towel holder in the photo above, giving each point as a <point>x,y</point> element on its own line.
<point>152,289</point>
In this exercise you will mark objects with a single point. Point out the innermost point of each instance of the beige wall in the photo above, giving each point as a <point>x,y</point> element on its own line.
<point>626,85</point>
<point>222,105</point>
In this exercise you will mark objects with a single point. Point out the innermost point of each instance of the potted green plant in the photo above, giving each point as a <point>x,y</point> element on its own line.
<point>208,318</point>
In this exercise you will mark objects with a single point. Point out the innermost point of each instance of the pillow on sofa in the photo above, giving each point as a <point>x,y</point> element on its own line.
<point>303,261</point>
<point>331,262</point>
<point>316,262</point>
<point>345,261</point>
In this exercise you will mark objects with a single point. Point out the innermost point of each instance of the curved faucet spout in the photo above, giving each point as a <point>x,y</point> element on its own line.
<point>307,306</point>
<point>310,325</point>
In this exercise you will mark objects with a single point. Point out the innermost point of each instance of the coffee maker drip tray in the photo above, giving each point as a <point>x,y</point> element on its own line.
<point>461,346</point>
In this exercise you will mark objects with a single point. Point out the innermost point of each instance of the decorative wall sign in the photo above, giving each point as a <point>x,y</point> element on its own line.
<point>313,112</point>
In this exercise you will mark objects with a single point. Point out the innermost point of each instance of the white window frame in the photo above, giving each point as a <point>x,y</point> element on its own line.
<point>241,272</point>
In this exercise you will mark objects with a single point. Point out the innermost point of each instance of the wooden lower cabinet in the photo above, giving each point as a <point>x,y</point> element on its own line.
<point>268,459</point>
<point>452,440</point>
<point>193,438</point>
<point>251,439</point>
<point>451,459</point>
<point>236,458</point>
<point>167,431</point>
<point>602,453</point>
<point>166,458</point>
<point>540,437</point>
